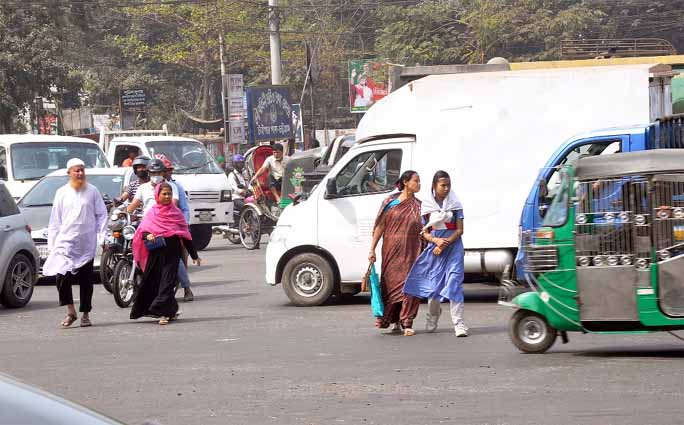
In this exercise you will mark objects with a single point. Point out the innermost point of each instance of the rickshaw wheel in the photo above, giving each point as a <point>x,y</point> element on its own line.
<point>530,332</point>
<point>250,227</point>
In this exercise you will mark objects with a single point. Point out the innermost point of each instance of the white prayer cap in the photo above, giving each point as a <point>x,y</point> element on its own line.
<point>73,162</point>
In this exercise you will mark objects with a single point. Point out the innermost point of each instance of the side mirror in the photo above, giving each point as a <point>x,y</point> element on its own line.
<point>331,188</point>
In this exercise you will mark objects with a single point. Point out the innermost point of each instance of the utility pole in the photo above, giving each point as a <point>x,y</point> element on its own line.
<point>224,90</point>
<point>274,29</point>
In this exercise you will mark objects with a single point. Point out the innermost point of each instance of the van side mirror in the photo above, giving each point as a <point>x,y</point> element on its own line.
<point>331,188</point>
<point>543,197</point>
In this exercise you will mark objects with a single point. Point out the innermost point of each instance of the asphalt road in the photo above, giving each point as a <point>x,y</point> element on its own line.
<point>240,354</point>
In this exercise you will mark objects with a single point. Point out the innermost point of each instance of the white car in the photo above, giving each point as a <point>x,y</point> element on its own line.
<point>37,203</point>
<point>19,258</point>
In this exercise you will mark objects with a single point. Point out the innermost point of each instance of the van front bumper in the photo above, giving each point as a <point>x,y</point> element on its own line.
<point>275,250</point>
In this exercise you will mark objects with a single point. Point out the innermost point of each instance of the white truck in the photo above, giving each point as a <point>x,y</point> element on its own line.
<point>26,158</point>
<point>492,132</point>
<point>197,171</point>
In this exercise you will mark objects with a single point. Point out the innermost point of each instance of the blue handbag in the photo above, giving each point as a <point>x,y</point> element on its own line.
<point>158,242</point>
<point>376,294</point>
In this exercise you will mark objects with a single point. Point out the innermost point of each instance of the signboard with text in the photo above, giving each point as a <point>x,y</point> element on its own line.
<point>235,108</point>
<point>133,100</point>
<point>269,112</point>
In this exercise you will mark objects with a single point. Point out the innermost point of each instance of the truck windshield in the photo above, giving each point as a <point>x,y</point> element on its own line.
<point>557,214</point>
<point>34,160</point>
<point>187,156</point>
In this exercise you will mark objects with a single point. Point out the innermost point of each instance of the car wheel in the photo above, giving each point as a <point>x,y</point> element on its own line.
<point>530,332</point>
<point>308,280</point>
<point>18,286</point>
<point>201,235</point>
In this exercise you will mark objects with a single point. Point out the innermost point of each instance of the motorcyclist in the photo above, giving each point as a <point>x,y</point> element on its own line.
<point>238,182</point>
<point>144,196</point>
<point>143,176</point>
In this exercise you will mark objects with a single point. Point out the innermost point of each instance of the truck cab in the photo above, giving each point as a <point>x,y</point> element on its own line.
<point>204,181</point>
<point>664,133</point>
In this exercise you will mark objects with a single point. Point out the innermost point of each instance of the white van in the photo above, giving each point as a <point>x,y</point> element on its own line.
<point>26,158</point>
<point>491,132</point>
<point>197,171</point>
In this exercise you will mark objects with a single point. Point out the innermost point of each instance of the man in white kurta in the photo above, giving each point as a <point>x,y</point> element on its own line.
<point>77,220</point>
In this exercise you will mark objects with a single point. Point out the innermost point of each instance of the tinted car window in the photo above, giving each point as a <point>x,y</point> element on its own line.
<point>7,205</point>
<point>44,192</point>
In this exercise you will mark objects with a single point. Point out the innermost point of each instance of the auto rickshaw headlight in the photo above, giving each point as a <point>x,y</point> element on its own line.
<point>584,261</point>
<point>640,219</point>
<point>624,216</point>
<point>613,260</point>
<point>642,263</point>
<point>663,213</point>
<point>599,261</point>
<point>678,212</point>
<point>626,260</point>
<point>581,219</point>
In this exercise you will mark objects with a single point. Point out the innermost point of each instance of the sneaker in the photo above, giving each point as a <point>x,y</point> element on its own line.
<point>461,330</point>
<point>189,296</point>
<point>431,324</point>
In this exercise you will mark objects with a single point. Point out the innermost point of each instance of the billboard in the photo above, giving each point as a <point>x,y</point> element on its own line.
<point>368,81</point>
<point>269,111</point>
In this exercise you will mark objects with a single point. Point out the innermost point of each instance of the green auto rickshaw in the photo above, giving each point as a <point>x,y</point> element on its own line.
<point>609,256</point>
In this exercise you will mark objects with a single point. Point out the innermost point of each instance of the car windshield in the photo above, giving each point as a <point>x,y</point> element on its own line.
<point>187,156</point>
<point>43,193</point>
<point>34,160</point>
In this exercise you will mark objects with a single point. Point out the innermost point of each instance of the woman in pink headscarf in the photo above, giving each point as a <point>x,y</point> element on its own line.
<point>157,251</point>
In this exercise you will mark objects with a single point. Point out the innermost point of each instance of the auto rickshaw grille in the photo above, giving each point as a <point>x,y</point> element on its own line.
<point>538,257</point>
<point>612,222</point>
<point>668,212</point>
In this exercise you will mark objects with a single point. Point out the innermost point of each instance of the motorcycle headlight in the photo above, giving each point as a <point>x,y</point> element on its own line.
<point>128,232</point>
<point>226,196</point>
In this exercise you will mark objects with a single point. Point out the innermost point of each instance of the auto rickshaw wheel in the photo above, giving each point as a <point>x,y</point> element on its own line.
<point>530,332</point>
<point>250,227</point>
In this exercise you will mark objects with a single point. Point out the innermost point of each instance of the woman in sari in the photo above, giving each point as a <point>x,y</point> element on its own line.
<point>157,251</point>
<point>398,224</point>
<point>438,272</point>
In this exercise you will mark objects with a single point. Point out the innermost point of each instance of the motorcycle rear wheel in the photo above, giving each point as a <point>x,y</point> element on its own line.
<point>124,289</point>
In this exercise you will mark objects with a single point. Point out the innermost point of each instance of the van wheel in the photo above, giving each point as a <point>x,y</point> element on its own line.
<point>308,280</point>
<point>201,235</point>
<point>530,332</point>
<point>18,286</point>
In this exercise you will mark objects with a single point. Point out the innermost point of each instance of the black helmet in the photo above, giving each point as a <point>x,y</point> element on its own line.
<point>141,160</point>
<point>156,165</point>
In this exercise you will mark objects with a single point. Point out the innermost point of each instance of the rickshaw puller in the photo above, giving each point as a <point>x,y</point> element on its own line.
<point>275,167</point>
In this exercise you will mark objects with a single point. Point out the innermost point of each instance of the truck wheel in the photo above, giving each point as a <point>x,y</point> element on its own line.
<point>308,280</point>
<point>201,235</point>
<point>18,286</point>
<point>530,332</point>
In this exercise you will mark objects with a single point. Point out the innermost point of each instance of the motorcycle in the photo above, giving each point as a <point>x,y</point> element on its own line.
<point>126,278</point>
<point>112,246</point>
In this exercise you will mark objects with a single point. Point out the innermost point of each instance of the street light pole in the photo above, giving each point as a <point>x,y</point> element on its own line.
<point>274,29</point>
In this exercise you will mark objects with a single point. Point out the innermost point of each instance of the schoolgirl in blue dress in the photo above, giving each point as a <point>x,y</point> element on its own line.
<point>437,274</point>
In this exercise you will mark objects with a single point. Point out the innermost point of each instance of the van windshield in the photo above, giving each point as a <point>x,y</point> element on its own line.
<point>34,160</point>
<point>188,157</point>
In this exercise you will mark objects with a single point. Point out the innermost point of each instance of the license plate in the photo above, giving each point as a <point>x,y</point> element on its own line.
<point>205,216</point>
<point>43,251</point>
